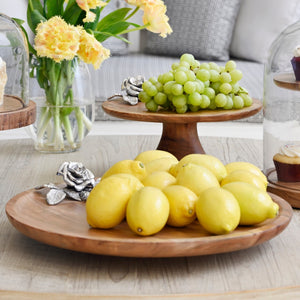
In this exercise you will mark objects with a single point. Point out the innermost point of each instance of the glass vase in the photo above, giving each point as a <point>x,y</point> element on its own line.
<point>65,113</point>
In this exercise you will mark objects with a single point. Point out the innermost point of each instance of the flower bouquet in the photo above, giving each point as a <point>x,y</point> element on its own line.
<point>67,33</point>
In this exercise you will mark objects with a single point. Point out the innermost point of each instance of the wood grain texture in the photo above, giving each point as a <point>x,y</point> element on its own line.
<point>269,269</point>
<point>31,215</point>
<point>179,134</point>
<point>14,114</point>
<point>287,81</point>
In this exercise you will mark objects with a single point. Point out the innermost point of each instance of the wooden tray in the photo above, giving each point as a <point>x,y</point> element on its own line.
<point>65,226</point>
<point>287,81</point>
<point>179,135</point>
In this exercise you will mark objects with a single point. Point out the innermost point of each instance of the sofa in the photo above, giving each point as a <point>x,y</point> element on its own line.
<point>212,30</point>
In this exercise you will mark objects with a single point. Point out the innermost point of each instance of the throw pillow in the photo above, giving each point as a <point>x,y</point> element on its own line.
<point>258,24</point>
<point>200,27</point>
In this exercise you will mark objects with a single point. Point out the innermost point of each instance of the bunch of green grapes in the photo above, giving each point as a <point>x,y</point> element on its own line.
<point>191,86</point>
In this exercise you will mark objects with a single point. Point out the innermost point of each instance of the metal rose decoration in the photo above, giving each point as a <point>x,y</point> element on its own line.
<point>79,181</point>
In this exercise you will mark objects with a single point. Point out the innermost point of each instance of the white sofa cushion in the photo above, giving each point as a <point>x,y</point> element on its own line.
<point>258,23</point>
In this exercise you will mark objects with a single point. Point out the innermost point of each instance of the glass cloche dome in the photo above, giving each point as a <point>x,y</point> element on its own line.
<point>282,113</point>
<point>14,52</point>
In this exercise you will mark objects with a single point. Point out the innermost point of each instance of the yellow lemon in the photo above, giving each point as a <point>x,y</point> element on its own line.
<point>218,211</point>
<point>147,211</point>
<point>106,204</point>
<point>256,205</point>
<point>196,178</point>
<point>182,205</point>
<point>159,179</point>
<point>208,161</point>
<point>149,155</point>
<point>242,165</point>
<point>244,176</point>
<point>128,166</point>
<point>160,164</point>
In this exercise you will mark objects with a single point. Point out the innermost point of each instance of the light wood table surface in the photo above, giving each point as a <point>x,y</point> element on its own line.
<point>32,270</point>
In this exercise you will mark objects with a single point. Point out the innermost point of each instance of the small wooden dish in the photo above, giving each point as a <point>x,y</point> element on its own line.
<point>179,135</point>
<point>287,81</point>
<point>65,226</point>
<point>14,114</point>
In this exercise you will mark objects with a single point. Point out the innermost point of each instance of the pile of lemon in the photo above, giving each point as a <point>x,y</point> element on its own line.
<point>156,189</point>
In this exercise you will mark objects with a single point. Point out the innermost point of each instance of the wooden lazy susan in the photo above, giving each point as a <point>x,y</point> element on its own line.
<point>179,133</point>
<point>290,191</point>
<point>15,114</point>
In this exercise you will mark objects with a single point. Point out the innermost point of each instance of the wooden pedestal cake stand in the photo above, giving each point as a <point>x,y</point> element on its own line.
<point>179,134</point>
<point>15,114</point>
<point>290,191</point>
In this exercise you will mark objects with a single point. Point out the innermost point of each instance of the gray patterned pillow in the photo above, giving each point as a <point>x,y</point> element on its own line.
<point>201,27</point>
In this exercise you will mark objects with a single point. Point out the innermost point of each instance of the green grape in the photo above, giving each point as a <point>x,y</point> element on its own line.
<point>191,75</point>
<point>151,105</point>
<point>230,65</point>
<point>203,75</point>
<point>216,86</point>
<point>160,78</point>
<point>229,103</point>
<point>179,101</point>
<point>187,57</point>
<point>159,86</point>
<point>175,66</point>
<point>214,76</point>
<point>185,64</point>
<point>222,69</point>
<point>225,88</point>
<point>168,76</point>
<point>160,98</point>
<point>214,66</point>
<point>182,68</point>
<point>182,109</point>
<point>247,99</point>
<point>177,89</point>
<point>151,90</point>
<point>209,92</point>
<point>225,77</point>
<point>195,64</point>
<point>220,100</point>
<point>199,86</point>
<point>180,77</point>
<point>204,66</point>
<point>212,105</point>
<point>206,83</point>
<point>193,108</point>
<point>144,97</point>
<point>153,80</point>
<point>205,102</point>
<point>235,88</point>
<point>236,75</point>
<point>170,97</point>
<point>238,102</point>
<point>194,99</point>
<point>189,87</point>
<point>146,84</point>
<point>168,87</point>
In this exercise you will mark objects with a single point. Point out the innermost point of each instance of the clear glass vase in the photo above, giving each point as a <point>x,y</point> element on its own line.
<point>65,112</point>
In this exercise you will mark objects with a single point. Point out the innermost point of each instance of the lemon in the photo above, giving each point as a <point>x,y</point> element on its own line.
<point>128,166</point>
<point>149,155</point>
<point>160,164</point>
<point>256,205</point>
<point>196,178</point>
<point>159,179</point>
<point>106,204</point>
<point>208,161</point>
<point>242,165</point>
<point>218,211</point>
<point>147,211</point>
<point>182,205</point>
<point>244,176</point>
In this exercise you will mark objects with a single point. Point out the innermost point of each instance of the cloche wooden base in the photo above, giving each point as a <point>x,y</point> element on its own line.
<point>289,191</point>
<point>14,113</point>
<point>179,135</point>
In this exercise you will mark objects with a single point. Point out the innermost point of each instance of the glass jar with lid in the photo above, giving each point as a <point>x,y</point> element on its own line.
<point>282,116</point>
